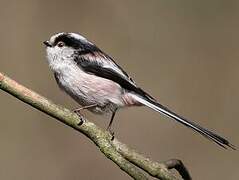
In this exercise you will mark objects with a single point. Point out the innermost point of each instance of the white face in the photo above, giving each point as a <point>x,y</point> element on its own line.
<point>59,56</point>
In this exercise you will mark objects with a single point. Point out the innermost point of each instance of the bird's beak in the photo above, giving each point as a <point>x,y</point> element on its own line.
<point>47,44</point>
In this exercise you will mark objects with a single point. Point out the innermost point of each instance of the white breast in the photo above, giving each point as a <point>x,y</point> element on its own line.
<point>88,89</point>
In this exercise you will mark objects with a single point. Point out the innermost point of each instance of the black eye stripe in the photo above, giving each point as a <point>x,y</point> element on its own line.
<point>68,40</point>
<point>82,46</point>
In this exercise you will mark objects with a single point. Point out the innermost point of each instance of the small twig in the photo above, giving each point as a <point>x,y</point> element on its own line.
<point>179,166</point>
<point>155,169</point>
<point>127,159</point>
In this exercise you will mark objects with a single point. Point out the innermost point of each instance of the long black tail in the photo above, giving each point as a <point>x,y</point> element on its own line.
<point>164,110</point>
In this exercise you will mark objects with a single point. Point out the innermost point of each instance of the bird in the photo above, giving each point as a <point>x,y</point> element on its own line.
<point>97,83</point>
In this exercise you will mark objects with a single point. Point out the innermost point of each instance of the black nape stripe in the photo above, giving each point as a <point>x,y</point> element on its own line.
<point>78,44</point>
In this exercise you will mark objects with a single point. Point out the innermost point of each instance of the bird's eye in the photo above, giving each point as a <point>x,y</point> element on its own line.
<point>60,44</point>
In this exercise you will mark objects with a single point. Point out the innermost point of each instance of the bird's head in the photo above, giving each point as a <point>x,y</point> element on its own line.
<point>63,47</point>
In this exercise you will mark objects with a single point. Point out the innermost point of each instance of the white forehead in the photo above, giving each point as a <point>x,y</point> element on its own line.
<point>74,35</point>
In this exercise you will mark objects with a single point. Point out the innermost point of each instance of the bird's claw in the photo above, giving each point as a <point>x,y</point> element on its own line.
<point>112,133</point>
<point>77,111</point>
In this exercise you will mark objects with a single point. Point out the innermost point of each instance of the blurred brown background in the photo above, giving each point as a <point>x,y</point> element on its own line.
<point>184,53</point>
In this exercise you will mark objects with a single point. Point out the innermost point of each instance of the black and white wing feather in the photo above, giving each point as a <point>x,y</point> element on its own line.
<point>100,64</point>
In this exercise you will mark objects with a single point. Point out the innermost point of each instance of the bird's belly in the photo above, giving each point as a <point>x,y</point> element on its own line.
<point>89,89</point>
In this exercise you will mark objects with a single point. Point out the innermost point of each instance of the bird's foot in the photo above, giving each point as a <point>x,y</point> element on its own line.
<point>78,110</point>
<point>112,133</point>
<point>82,120</point>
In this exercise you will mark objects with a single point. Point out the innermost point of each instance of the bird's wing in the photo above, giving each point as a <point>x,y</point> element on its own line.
<point>102,65</point>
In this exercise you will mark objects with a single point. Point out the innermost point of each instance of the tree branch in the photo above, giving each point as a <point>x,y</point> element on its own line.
<point>127,159</point>
<point>155,169</point>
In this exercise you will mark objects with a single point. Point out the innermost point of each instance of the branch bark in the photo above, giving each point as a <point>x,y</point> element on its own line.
<point>131,162</point>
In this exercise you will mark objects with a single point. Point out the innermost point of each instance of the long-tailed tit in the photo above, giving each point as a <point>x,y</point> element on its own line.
<point>98,84</point>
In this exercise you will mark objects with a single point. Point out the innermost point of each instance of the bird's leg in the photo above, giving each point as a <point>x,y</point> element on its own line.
<point>110,124</point>
<point>77,110</point>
